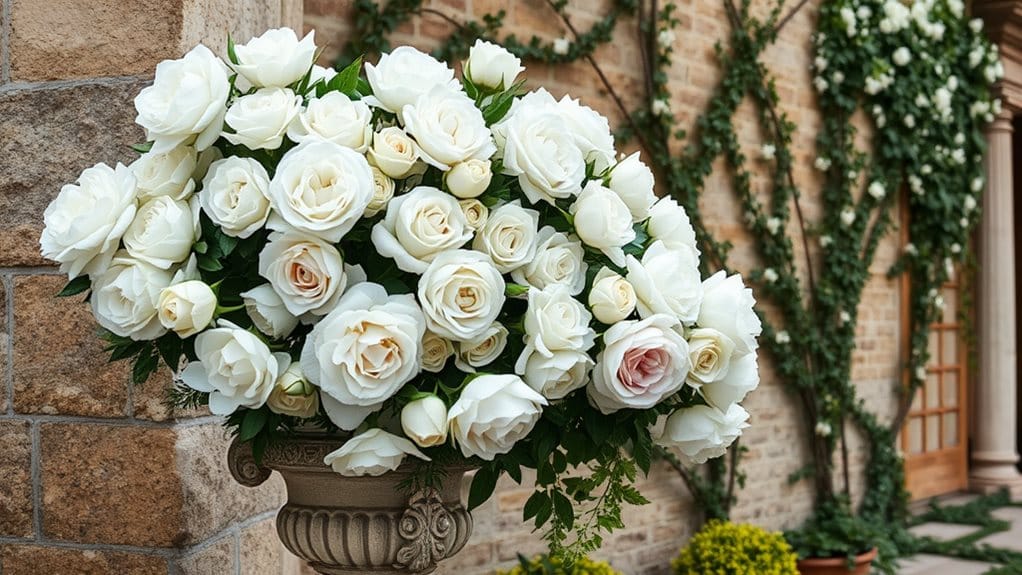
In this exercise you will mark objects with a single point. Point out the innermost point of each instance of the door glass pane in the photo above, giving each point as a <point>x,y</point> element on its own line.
<point>932,432</point>
<point>915,435</point>
<point>950,356</point>
<point>932,390</point>
<point>950,305</point>
<point>950,383</point>
<point>917,402</point>
<point>950,429</point>
<point>934,347</point>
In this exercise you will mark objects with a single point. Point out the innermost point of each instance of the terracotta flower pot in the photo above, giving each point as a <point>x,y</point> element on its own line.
<point>348,525</point>
<point>837,565</point>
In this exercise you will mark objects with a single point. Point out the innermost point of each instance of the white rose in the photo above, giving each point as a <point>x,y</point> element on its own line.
<point>509,236</point>
<point>204,160</point>
<point>403,75</point>
<point>166,174</point>
<point>538,148</point>
<point>372,453</point>
<point>642,363</point>
<point>727,307</point>
<point>260,120</point>
<point>611,298</point>
<point>902,56</point>
<point>235,367</point>
<point>591,131</point>
<point>492,66</point>
<point>419,226</point>
<point>493,413</point>
<point>469,179</point>
<point>235,195</point>
<point>632,181</point>
<point>558,260</point>
<point>163,231</point>
<point>448,127</point>
<point>394,153</point>
<point>85,222</point>
<point>557,375</point>
<point>482,350</point>
<point>476,213</point>
<point>383,192</point>
<point>702,432</point>
<point>710,353</point>
<point>742,377</point>
<point>187,307</point>
<point>603,221</point>
<point>363,352</point>
<point>321,73</point>
<point>554,321</point>
<point>187,100</point>
<point>276,59</point>
<point>435,351</point>
<point>461,293</point>
<point>293,396</point>
<point>425,421</point>
<point>669,223</point>
<point>320,188</point>
<point>125,297</point>
<point>305,271</point>
<point>268,313</point>
<point>336,118</point>
<point>667,281</point>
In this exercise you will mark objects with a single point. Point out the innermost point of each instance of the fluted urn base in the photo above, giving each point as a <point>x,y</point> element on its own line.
<point>349,525</point>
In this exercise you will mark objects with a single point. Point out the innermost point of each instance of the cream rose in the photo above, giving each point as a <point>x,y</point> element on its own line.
<point>277,58</point>
<point>293,396</point>
<point>727,307</point>
<point>448,127</point>
<point>125,297</point>
<point>235,195</point>
<point>591,132</point>
<point>742,377</point>
<point>435,351</point>
<point>669,223</point>
<point>166,174</point>
<point>667,281</point>
<point>558,260</point>
<point>424,421</point>
<point>494,413</point>
<point>363,352</point>
<point>235,367</point>
<point>372,453</point>
<point>395,153</point>
<point>710,353</point>
<point>268,313</point>
<point>336,118</point>
<point>482,350</point>
<point>186,308</point>
<point>259,121</point>
<point>492,66</point>
<point>163,231</point>
<point>83,225</point>
<point>559,374</point>
<point>476,213</point>
<point>186,101</point>
<point>555,321</point>
<point>461,293</point>
<point>419,226</point>
<point>320,188</point>
<point>306,272</point>
<point>642,363</point>
<point>702,432</point>
<point>509,236</point>
<point>383,192</point>
<point>403,75</point>
<point>611,298</point>
<point>469,179</point>
<point>603,221</point>
<point>632,181</point>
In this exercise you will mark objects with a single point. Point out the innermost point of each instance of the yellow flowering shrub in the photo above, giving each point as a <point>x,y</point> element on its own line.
<point>542,565</point>
<point>722,548</point>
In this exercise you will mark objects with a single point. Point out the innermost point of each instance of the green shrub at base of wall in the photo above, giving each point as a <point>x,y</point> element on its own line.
<point>722,548</point>
<point>543,565</point>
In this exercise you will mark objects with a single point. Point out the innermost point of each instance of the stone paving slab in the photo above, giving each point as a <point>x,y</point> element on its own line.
<point>943,531</point>
<point>1013,514</point>
<point>938,565</point>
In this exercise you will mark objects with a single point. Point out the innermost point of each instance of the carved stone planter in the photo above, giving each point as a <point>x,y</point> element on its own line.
<point>348,525</point>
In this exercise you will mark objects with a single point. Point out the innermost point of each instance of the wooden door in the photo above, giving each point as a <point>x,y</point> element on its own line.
<point>934,439</point>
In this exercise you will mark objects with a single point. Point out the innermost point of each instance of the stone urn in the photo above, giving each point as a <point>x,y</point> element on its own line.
<point>348,525</point>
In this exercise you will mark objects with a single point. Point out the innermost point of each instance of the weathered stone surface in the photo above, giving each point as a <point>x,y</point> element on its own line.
<point>15,479</point>
<point>47,137</point>
<point>216,559</point>
<point>261,552</point>
<point>942,531</point>
<point>149,401</point>
<point>35,560</point>
<point>5,340</point>
<point>59,362</point>
<point>212,499</point>
<point>209,21</point>
<point>111,484</point>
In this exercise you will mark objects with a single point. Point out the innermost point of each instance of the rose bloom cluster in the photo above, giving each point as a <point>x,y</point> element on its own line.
<point>423,261</point>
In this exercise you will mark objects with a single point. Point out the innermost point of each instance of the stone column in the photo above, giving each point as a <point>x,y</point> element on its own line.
<point>994,453</point>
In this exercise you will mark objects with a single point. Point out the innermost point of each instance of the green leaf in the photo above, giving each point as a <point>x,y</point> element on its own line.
<point>143,147</point>
<point>564,509</point>
<point>535,502</point>
<point>231,55</point>
<point>145,364</point>
<point>346,81</point>
<point>170,350</point>
<point>255,420</point>
<point>483,484</point>
<point>75,286</point>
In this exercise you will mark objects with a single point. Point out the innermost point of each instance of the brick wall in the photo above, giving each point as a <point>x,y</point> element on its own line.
<point>776,440</point>
<point>98,477</point>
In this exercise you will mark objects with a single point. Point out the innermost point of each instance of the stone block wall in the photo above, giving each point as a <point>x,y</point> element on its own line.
<point>98,476</point>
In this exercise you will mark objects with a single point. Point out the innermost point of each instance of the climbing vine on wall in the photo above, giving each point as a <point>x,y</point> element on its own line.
<point>922,74</point>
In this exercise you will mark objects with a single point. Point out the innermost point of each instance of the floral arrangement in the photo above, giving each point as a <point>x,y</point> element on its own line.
<point>545,565</point>
<point>438,269</point>
<point>727,548</point>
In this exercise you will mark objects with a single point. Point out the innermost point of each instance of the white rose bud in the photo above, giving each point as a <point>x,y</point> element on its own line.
<point>394,153</point>
<point>186,308</point>
<point>702,432</point>
<point>710,352</point>
<point>268,312</point>
<point>163,231</point>
<point>603,221</point>
<point>383,192</point>
<point>260,120</point>
<point>476,213</point>
<point>166,174</point>
<point>509,236</point>
<point>469,179</point>
<point>632,181</point>
<point>448,128</point>
<point>435,351</point>
<point>461,294</point>
<point>277,58</point>
<point>492,66</point>
<point>125,298</point>
<point>293,396</point>
<point>419,226</point>
<point>335,118</point>
<point>424,421</point>
<point>482,423</point>
<point>611,298</point>
<point>401,76</point>
<point>482,350</point>
<point>235,195</point>
<point>372,453</point>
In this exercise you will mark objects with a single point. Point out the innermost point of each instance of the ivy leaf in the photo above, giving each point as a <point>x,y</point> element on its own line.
<point>75,286</point>
<point>255,420</point>
<point>483,484</point>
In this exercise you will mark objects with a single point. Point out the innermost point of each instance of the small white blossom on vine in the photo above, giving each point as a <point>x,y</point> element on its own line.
<point>660,107</point>
<point>770,275</point>
<point>822,164</point>
<point>844,317</point>
<point>976,25</point>
<point>969,203</point>
<point>956,248</point>
<point>922,101</point>
<point>826,240</point>
<point>910,121</point>
<point>942,101</point>
<point>921,373</point>
<point>964,222</point>
<point>852,174</point>
<point>957,7</point>
<point>820,84</point>
<point>561,46</point>
<point>848,16</point>
<point>666,38</point>
<point>976,185</point>
<point>938,302</point>
<point>768,152</point>
<point>773,224</point>
<point>996,106</point>
<point>896,17</point>
<point>952,83</point>
<point>910,249</point>
<point>958,155</point>
<point>838,77</point>
<point>820,63</point>
<point>823,429</point>
<point>864,12</point>
<point>848,216</point>
<point>976,56</point>
<point>782,337</point>
<point>916,184</point>
<point>949,267</point>
<point>994,72</point>
<point>926,170</point>
<point>877,190</point>
<point>979,108</point>
<point>902,56</point>
<point>959,139</point>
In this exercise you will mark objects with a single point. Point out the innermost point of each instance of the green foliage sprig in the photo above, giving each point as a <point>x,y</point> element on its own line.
<point>722,547</point>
